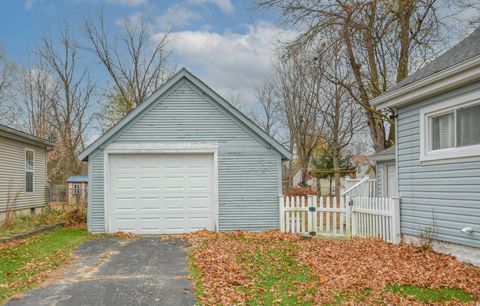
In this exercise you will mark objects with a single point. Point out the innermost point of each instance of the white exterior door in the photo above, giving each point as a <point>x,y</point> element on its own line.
<point>391,180</point>
<point>161,193</point>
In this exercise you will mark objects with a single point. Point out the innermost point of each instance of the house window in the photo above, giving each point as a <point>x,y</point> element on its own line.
<point>76,188</point>
<point>29,170</point>
<point>443,131</point>
<point>451,131</point>
<point>468,126</point>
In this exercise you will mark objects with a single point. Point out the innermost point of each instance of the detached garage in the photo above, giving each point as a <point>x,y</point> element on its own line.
<point>182,161</point>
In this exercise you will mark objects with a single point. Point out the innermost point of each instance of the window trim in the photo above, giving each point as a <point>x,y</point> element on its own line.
<point>31,171</point>
<point>426,114</point>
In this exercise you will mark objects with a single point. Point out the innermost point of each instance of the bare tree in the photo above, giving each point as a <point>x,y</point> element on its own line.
<point>135,67</point>
<point>270,117</point>
<point>343,118</point>
<point>298,91</point>
<point>7,71</point>
<point>236,101</point>
<point>69,106</point>
<point>383,41</point>
<point>36,90</point>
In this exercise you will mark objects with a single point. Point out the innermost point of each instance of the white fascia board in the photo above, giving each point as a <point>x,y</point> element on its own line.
<point>450,78</point>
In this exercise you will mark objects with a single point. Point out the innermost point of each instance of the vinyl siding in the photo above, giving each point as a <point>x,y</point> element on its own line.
<point>12,175</point>
<point>96,216</point>
<point>448,191</point>
<point>249,176</point>
<point>379,177</point>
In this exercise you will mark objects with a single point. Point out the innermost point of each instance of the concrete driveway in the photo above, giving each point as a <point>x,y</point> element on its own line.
<point>143,271</point>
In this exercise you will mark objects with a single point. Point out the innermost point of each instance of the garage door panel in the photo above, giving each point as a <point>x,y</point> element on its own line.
<point>199,182</point>
<point>127,224</point>
<point>123,184</point>
<point>149,162</point>
<point>149,204</point>
<point>157,194</point>
<point>173,182</point>
<point>150,223</point>
<point>200,203</point>
<point>175,203</point>
<point>123,205</point>
<point>149,183</point>
<point>175,224</point>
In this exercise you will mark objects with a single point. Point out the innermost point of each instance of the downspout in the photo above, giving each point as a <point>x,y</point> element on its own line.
<point>396,172</point>
<point>396,152</point>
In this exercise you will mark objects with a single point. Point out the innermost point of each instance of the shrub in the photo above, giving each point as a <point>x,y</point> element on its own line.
<point>76,216</point>
<point>69,216</point>
<point>301,191</point>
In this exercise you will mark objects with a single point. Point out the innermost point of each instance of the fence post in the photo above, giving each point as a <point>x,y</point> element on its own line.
<point>309,214</point>
<point>312,215</point>
<point>396,235</point>
<point>348,215</point>
<point>354,225</point>
<point>281,201</point>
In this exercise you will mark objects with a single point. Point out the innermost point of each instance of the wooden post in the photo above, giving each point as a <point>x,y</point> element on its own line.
<point>313,213</point>
<point>309,214</point>
<point>396,220</point>
<point>281,201</point>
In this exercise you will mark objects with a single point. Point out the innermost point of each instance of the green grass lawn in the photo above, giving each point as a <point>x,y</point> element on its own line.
<point>429,295</point>
<point>25,263</point>
<point>277,276</point>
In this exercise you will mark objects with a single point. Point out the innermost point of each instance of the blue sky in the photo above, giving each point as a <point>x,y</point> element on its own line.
<point>224,42</point>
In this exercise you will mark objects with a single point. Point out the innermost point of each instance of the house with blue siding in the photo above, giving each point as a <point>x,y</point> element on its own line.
<point>184,160</point>
<point>435,165</point>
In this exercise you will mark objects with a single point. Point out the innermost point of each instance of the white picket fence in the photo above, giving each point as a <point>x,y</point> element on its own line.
<point>349,216</point>
<point>365,187</point>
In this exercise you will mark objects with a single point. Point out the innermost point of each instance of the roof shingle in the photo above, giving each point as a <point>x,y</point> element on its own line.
<point>464,50</point>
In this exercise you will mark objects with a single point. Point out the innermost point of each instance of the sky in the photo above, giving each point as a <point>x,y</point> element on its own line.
<point>224,42</point>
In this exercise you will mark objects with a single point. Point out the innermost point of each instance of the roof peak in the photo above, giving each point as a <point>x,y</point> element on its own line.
<point>184,72</point>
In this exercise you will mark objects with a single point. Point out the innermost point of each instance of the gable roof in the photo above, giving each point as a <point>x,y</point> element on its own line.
<point>184,73</point>
<point>463,56</point>
<point>25,137</point>
<point>387,154</point>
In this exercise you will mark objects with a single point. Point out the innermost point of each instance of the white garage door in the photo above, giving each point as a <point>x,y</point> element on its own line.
<point>161,193</point>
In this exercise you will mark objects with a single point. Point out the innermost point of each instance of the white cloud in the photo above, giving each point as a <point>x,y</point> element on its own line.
<point>175,17</point>
<point>232,63</point>
<point>127,2</point>
<point>225,5</point>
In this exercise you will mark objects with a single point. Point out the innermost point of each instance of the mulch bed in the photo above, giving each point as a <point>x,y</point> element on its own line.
<point>337,268</point>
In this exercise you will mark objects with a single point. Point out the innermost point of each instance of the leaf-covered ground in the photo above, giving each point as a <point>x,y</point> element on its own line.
<point>25,263</point>
<point>282,269</point>
<point>69,216</point>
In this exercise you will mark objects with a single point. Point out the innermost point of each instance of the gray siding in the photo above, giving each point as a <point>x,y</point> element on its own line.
<point>12,175</point>
<point>96,217</point>
<point>379,177</point>
<point>249,175</point>
<point>449,191</point>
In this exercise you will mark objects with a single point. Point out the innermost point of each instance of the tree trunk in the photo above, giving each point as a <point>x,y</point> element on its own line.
<point>330,189</point>
<point>336,169</point>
